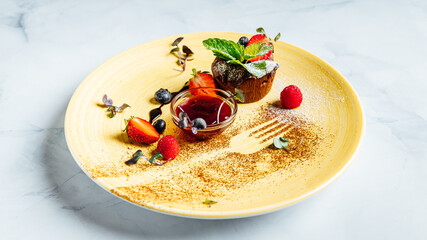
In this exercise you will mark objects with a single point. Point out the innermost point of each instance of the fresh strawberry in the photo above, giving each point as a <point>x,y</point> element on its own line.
<point>202,79</point>
<point>261,38</point>
<point>141,131</point>
<point>167,148</point>
<point>291,97</point>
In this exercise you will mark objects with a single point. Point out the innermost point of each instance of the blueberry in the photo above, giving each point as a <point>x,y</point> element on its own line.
<point>199,123</point>
<point>163,96</point>
<point>160,126</point>
<point>243,41</point>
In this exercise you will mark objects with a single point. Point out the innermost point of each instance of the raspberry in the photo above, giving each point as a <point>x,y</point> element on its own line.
<point>168,147</point>
<point>291,97</point>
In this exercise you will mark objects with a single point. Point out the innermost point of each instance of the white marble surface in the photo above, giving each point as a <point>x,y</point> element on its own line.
<point>47,48</point>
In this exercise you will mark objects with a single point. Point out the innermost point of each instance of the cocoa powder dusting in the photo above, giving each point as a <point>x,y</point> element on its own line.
<point>190,178</point>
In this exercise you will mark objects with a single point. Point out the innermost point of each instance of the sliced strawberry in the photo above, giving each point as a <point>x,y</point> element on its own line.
<point>141,131</point>
<point>202,79</point>
<point>261,38</point>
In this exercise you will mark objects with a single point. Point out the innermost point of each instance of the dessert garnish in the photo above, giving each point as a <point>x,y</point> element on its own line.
<point>184,119</point>
<point>243,41</point>
<point>167,148</point>
<point>198,123</point>
<point>202,79</point>
<point>262,38</point>
<point>160,126</point>
<point>113,109</point>
<point>182,60</point>
<point>135,157</point>
<point>163,96</point>
<point>202,110</point>
<point>253,57</point>
<point>282,143</point>
<point>157,112</point>
<point>291,97</point>
<point>209,202</point>
<point>141,131</point>
<point>238,95</point>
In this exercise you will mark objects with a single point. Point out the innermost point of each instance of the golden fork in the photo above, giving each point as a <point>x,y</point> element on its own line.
<point>257,138</point>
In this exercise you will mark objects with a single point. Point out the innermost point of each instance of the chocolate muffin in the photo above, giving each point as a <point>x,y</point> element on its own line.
<point>231,76</point>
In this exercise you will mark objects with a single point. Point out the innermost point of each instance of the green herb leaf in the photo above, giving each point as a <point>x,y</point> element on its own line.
<point>260,30</point>
<point>154,157</point>
<point>225,49</point>
<point>277,37</point>
<point>256,49</point>
<point>112,114</point>
<point>209,202</point>
<point>258,68</point>
<point>239,95</point>
<point>135,157</point>
<point>123,107</point>
<point>174,49</point>
<point>177,41</point>
<point>233,61</point>
<point>187,50</point>
<point>280,143</point>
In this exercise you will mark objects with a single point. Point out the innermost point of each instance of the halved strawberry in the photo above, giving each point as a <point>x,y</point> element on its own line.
<point>262,39</point>
<point>202,79</point>
<point>141,131</point>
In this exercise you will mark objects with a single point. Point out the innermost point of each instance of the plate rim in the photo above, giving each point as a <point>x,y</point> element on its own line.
<point>219,214</point>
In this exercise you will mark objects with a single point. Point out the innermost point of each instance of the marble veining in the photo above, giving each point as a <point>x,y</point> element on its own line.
<point>47,47</point>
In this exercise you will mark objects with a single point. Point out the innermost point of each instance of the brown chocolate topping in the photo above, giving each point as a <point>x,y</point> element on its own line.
<point>230,76</point>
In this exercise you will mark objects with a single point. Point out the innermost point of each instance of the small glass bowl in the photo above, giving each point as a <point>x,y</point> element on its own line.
<point>210,130</point>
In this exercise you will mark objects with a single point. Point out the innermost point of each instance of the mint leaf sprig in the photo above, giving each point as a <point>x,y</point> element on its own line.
<point>262,31</point>
<point>282,143</point>
<point>225,49</point>
<point>235,53</point>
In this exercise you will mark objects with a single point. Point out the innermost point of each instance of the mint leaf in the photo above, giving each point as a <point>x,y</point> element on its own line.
<point>236,62</point>
<point>256,49</point>
<point>239,95</point>
<point>258,68</point>
<point>224,49</point>
<point>260,30</point>
<point>277,37</point>
<point>280,143</point>
<point>270,65</point>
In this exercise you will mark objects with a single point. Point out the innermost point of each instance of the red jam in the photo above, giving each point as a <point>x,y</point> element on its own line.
<point>206,107</point>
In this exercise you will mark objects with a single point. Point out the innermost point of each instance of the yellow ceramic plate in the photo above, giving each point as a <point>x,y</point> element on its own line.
<point>236,169</point>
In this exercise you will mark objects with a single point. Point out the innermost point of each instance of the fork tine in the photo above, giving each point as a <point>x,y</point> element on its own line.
<point>250,131</point>
<point>265,140</point>
<point>281,130</point>
<point>267,129</point>
<point>257,138</point>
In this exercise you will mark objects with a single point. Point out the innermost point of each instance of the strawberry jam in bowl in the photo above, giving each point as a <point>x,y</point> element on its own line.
<point>203,112</point>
